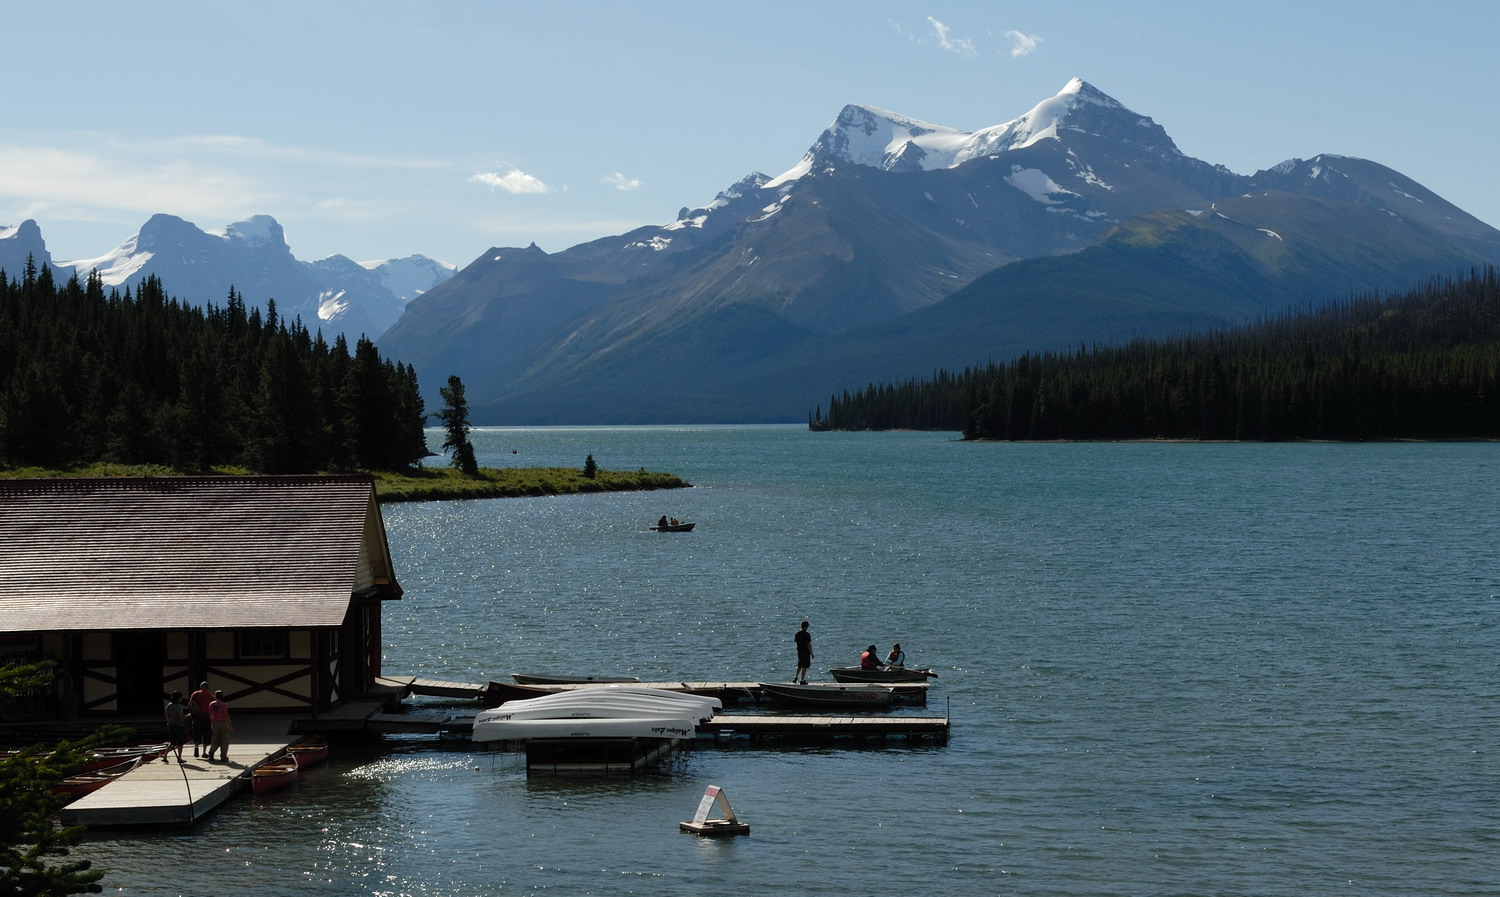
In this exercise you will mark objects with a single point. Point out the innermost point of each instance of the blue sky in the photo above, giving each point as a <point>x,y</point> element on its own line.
<point>378,130</point>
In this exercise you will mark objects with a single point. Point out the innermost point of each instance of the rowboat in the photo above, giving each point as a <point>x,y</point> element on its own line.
<point>275,773</point>
<point>79,784</point>
<point>830,693</point>
<point>674,528</point>
<point>310,750</point>
<point>887,674</point>
<point>660,727</point>
<point>100,758</point>
<point>530,679</point>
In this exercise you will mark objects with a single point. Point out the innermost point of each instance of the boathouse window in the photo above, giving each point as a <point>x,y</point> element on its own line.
<point>261,644</point>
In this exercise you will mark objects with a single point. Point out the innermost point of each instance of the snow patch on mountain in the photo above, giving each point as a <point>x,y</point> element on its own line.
<point>116,266</point>
<point>1036,184</point>
<point>332,304</point>
<point>257,230</point>
<point>409,277</point>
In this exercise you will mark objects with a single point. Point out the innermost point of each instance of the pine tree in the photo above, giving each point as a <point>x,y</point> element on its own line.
<point>455,418</point>
<point>34,850</point>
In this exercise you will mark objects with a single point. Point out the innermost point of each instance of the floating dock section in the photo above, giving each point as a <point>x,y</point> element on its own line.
<point>596,756</point>
<point>170,793</point>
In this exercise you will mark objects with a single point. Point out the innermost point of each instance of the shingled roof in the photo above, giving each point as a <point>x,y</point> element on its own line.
<point>188,552</point>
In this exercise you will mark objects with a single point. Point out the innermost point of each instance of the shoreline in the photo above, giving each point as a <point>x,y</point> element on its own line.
<point>427,484</point>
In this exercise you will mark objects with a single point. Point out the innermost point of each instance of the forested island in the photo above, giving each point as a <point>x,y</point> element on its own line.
<point>1424,364</point>
<point>98,381</point>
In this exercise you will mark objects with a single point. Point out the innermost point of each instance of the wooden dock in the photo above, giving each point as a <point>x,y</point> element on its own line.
<point>757,727</point>
<point>170,793</point>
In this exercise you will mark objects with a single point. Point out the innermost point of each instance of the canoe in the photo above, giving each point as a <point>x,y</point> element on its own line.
<point>830,694</point>
<point>897,674</point>
<point>99,758</point>
<point>529,679</point>
<point>79,784</point>
<point>278,772</point>
<point>674,528</point>
<point>310,750</point>
<point>659,727</point>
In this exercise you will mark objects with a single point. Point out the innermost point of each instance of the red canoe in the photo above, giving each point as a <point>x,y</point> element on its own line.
<point>79,784</point>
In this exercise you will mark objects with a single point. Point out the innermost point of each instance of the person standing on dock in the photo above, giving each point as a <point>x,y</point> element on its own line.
<point>218,714</point>
<point>176,717</point>
<point>203,729</point>
<point>803,638</point>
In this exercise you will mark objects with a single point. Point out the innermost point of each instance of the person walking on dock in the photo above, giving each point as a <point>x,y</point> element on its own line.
<point>202,728</point>
<point>803,638</point>
<point>218,714</point>
<point>176,716</point>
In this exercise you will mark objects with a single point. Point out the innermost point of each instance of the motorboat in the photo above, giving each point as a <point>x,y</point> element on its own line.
<point>673,528</point>
<point>881,674</point>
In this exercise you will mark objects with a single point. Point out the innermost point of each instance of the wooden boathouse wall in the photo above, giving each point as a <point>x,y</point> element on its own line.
<point>269,588</point>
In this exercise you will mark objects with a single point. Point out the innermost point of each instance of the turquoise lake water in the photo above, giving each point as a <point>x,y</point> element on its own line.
<point>1172,669</point>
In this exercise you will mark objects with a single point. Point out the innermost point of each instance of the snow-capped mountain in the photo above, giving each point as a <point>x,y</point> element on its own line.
<point>852,266</point>
<point>864,135</point>
<point>21,243</point>
<point>335,295</point>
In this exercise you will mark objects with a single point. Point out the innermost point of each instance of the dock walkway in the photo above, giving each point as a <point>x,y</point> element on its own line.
<point>169,793</point>
<point>756,727</point>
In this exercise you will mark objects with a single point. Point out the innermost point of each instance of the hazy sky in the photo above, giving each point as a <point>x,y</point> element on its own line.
<point>382,129</point>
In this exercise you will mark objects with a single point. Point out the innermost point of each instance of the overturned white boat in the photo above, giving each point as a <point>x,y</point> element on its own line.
<point>670,728</point>
<point>608,712</point>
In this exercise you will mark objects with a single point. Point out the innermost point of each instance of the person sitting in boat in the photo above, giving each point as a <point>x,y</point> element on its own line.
<point>897,657</point>
<point>870,659</point>
<point>662,523</point>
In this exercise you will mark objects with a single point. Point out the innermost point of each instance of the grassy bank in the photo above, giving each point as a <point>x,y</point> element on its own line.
<point>432,484</point>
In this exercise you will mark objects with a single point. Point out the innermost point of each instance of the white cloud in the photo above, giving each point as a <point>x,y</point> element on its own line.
<point>1022,44</point>
<point>620,181</point>
<point>961,46</point>
<point>66,182</point>
<point>513,181</point>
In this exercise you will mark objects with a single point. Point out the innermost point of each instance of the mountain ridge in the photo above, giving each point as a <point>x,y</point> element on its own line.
<point>786,288</point>
<point>334,294</point>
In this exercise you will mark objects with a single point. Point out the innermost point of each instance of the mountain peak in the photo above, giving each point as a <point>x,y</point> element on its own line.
<point>876,138</point>
<point>257,230</point>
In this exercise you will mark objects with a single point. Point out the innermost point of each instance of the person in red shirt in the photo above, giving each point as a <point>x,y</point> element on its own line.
<point>218,715</point>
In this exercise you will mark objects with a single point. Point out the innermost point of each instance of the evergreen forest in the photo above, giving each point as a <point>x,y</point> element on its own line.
<point>1424,364</point>
<point>89,375</point>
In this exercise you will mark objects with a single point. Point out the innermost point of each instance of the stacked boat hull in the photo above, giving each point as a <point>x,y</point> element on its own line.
<point>604,712</point>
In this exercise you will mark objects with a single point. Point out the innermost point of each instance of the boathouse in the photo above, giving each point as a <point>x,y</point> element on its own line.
<point>269,588</point>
